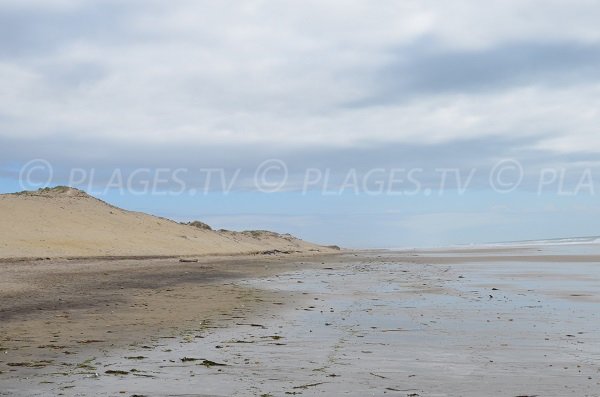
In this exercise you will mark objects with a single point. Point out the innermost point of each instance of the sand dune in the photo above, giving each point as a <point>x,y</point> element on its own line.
<point>66,222</point>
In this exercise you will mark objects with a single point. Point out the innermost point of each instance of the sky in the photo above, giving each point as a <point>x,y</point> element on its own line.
<point>357,123</point>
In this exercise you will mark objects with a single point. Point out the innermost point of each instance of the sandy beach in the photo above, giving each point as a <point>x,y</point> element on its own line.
<point>311,198</point>
<point>355,323</point>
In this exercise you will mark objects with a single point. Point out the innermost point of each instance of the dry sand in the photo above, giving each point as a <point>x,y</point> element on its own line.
<point>64,222</point>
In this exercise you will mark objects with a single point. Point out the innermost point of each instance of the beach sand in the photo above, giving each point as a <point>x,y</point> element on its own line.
<point>66,222</point>
<point>380,323</point>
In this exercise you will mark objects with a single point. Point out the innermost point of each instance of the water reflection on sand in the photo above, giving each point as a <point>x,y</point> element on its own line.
<point>379,324</point>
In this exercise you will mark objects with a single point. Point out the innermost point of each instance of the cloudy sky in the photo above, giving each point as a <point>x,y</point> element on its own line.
<point>345,96</point>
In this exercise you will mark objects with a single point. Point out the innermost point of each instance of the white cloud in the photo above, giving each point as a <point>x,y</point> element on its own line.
<point>283,73</point>
<point>480,24</point>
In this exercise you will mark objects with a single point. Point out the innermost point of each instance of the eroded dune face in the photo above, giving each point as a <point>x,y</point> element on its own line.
<point>63,222</point>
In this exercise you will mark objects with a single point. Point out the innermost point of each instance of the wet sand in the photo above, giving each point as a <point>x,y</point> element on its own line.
<point>370,323</point>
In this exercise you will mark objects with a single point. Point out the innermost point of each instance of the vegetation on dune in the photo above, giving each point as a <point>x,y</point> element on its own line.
<point>199,225</point>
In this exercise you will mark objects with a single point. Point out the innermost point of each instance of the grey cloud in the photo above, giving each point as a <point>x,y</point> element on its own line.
<point>94,152</point>
<point>480,154</point>
<point>34,32</point>
<point>73,75</point>
<point>426,68</point>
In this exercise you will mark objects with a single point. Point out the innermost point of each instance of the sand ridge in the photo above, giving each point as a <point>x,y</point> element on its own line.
<point>66,222</point>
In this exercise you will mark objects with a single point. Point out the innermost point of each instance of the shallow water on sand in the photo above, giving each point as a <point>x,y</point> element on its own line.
<point>380,327</point>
